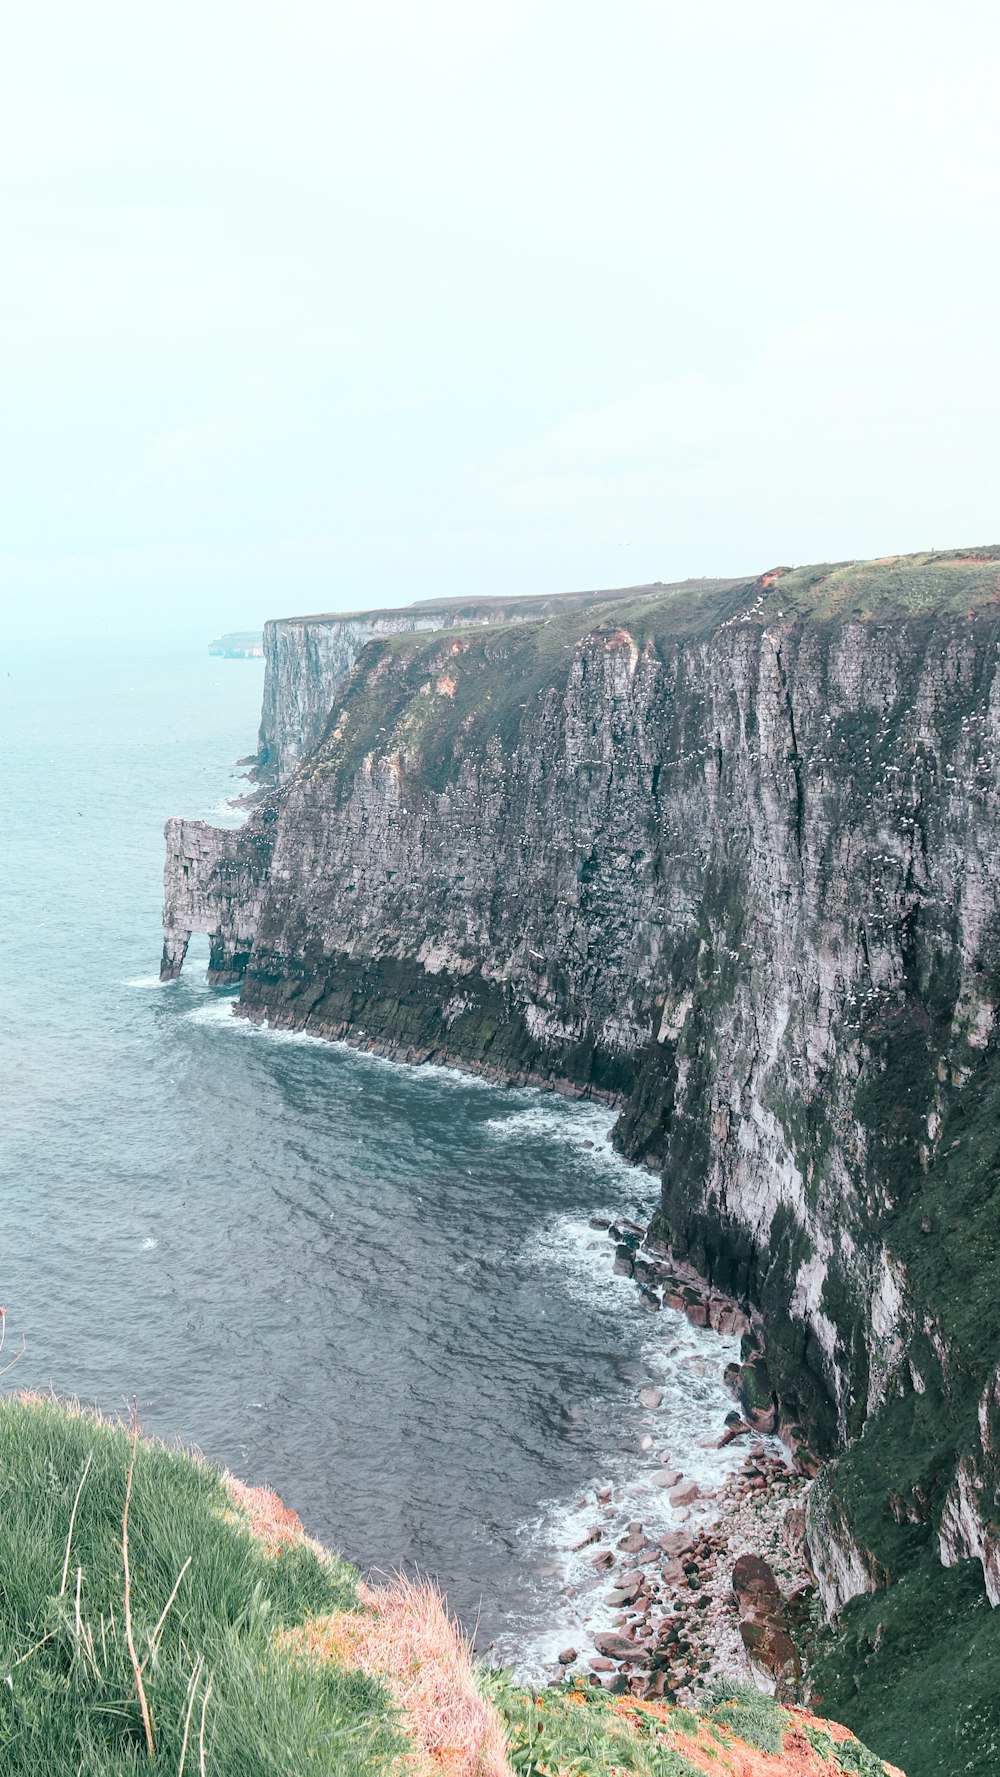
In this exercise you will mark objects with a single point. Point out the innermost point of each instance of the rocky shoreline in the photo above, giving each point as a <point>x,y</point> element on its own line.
<point>720,1596</point>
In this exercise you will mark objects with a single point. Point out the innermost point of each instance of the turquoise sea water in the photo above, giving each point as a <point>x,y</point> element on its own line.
<point>372,1287</point>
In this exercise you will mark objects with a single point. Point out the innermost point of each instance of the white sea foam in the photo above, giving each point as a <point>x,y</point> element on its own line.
<point>422,1070</point>
<point>686,1362</point>
<point>148,981</point>
<point>582,1126</point>
<point>224,814</point>
<point>219,1011</point>
<point>148,1244</point>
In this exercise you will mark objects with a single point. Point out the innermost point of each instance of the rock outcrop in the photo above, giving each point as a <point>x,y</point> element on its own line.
<point>214,881</point>
<point>731,858</point>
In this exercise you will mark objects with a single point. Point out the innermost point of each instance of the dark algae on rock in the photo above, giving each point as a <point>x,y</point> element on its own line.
<point>727,855</point>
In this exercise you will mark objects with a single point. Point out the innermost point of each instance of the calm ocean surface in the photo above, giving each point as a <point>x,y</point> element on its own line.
<point>371,1286</point>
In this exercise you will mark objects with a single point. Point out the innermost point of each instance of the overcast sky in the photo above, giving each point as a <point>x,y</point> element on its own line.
<point>313,305</point>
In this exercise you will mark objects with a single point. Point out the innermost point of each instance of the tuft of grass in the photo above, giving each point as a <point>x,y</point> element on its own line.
<point>752,1716</point>
<point>95,1673</point>
<point>582,1732</point>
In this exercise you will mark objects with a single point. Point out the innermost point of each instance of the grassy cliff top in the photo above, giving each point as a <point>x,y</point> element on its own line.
<point>892,586</point>
<point>499,609</point>
<point>155,1614</point>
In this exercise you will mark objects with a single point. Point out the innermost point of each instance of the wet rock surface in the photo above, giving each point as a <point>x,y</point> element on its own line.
<point>720,1601</point>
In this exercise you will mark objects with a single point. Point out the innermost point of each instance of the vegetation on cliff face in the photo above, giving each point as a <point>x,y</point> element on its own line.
<point>156,1616</point>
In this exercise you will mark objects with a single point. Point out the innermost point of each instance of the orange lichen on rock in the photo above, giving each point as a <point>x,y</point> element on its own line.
<point>404,1636</point>
<point>623,638</point>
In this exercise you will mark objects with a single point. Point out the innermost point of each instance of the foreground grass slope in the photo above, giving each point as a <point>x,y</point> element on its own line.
<point>155,1614</point>
<point>72,1704</point>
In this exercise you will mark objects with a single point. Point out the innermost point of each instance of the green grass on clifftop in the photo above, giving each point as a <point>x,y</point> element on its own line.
<point>68,1696</point>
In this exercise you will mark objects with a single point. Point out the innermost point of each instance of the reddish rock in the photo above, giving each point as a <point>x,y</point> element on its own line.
<point>631,1544</point>
<point>673,1542</point>
<point>757,1395</point>
<point>685,1495</point>
<point>666,1477</point>
<point>650,1397</point>
<point>755,1586</point>
<point>615,1647</point>
<point>771,1650</point>
<point>592,1536</point>
<point>567,1656</point>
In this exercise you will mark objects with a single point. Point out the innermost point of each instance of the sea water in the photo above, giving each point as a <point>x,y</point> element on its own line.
<point>371,1286</point>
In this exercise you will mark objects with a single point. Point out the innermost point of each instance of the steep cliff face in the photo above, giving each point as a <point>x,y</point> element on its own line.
<point>733,859</point>
<point>307,659</point>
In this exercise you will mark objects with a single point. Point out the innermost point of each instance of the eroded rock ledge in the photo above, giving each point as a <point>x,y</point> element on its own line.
<point>214,881</point>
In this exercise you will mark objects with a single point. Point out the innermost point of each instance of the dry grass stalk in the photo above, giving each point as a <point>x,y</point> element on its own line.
<point>191,1693</point>
<point>72,1521</point>
<point>201,1729</point>
<point>130,1640</point>
<point>155,1637</point>
<point>32,1650</point>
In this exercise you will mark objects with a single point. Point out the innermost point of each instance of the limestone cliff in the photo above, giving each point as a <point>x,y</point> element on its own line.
<point>307,659</point>
<point>731,857</point>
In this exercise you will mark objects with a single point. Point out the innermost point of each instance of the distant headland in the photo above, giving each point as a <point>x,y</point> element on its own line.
<point>239,644</point>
